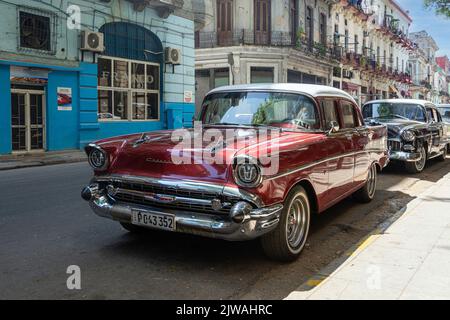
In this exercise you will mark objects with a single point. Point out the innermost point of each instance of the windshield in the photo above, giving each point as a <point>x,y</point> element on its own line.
<point>284,110</point>
<point>405,111</point>
<point>445,113</point>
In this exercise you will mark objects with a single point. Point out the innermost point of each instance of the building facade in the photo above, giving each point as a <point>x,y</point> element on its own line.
<point>361,47</point>
<point>373,38</point>
<point>264,41</point>
<point>423,67</point>
<point>59,93</point>
<point>444,70</point>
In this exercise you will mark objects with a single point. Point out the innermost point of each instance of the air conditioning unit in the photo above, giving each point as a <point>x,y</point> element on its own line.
<point>92,41</point>
<point>173,56</point>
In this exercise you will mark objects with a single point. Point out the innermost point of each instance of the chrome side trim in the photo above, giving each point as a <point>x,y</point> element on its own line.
<point>315,163</point>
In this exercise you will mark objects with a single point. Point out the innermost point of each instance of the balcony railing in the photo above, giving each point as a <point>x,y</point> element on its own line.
<point>244,37</point>
<point>358,8</point>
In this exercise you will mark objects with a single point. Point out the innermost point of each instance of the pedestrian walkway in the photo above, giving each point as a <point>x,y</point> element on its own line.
<point>8,162</point>
<point>409,259</point>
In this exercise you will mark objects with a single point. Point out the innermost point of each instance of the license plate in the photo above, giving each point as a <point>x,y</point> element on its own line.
<point>154,220</point>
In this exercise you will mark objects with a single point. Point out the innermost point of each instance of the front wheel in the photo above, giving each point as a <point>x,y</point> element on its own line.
<point>288,239</point>
<point>367,193</point>
<point>417,166</point>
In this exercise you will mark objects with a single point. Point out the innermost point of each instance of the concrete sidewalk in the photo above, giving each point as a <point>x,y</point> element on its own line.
<point>407,258</point>
<point>9,162</point>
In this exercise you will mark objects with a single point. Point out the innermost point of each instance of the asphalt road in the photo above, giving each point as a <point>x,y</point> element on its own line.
<point>45,227</point>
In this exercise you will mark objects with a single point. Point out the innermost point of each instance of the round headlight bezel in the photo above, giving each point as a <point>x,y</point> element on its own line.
<point>408,136</point>
<point>247,172</point>
<point>97,157</point>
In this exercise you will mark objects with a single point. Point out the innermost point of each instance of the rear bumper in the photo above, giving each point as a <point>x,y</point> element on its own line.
<point>255,222</point>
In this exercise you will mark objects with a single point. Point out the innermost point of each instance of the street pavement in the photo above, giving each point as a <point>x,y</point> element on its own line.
<point>410,259</point>
<point>45,227</point>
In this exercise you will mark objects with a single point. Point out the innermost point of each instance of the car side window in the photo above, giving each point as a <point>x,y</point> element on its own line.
<point>432,116</point>
<point>329,111</point>
<point>437,115</point>
<point>349,116</point>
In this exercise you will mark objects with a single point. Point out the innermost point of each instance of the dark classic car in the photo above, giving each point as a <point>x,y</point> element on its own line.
<point>444,109</point>
<point>416,132</point>
<point>320,153</point>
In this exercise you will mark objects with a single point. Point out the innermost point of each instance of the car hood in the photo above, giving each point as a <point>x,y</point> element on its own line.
<point>396,126</point>
<point>164,154</point>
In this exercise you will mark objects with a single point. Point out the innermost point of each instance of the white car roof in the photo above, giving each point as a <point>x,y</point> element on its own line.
<point>308,89</point>
<point>410,101</point>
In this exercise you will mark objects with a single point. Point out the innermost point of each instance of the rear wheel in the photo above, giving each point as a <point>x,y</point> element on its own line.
<point>288,239</point>
<point>367,193</point>
<point>417,166</point>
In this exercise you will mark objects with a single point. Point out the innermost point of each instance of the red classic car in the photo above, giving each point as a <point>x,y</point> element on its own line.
<point>319,151</point>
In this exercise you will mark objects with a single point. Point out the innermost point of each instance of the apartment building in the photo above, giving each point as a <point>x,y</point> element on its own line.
<point>251,41</point>
<point>423,66</point>
<point>373,38</point>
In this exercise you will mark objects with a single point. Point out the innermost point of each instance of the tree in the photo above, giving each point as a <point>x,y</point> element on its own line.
<point>442,7</point>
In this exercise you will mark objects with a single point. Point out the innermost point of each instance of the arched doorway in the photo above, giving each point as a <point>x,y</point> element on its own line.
<point>130,74</point>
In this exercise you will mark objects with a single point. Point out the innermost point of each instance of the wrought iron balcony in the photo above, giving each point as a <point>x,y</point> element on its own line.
<point>247,37</point>
<point>357,8</point>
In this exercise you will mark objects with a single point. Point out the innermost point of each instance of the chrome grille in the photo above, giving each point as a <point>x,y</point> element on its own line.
<point>394,145</point>
<point>126,194</point>
<point>164,190</point>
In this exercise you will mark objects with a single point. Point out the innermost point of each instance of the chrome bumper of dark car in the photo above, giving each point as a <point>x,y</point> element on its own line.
<point>244,219</point>
<point>404,156</point>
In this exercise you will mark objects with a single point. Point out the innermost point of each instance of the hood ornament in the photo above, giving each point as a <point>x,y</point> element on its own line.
<point>143,139</point>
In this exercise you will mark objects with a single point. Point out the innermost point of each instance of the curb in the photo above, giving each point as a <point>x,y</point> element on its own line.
<point>41,164</point>
<point>325,273</point>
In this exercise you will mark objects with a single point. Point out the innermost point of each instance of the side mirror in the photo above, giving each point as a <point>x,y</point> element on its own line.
<point>333,127</point>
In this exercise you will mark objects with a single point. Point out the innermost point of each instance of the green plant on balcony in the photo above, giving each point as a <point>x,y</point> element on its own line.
<point>320,48</point>
<point>301,37</point>
<point>363,62</point>
<point>337,72</point>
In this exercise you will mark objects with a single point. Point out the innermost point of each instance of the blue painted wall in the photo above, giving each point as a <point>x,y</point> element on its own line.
<point>5,110</point>
<point>74,129</point>
<point>62,126</point>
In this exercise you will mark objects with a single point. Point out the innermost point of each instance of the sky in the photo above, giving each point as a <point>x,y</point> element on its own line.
<point>425,19</point>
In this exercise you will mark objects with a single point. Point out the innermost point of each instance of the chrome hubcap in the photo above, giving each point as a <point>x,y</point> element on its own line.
<point>423,159</point>
<point>296,222</point>
<point>372,181</point>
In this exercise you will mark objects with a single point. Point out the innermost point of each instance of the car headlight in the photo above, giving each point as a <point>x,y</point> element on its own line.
<point>247,172</point>
<point>97,158</point>
<point>408,136</point>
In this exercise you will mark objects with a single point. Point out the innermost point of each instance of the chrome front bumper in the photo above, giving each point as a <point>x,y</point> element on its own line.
<point>245,222</point>
<point>404,156</point>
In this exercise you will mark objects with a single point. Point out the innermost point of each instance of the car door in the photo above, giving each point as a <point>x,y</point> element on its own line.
<point>350,122</point>
<point>436,130</point>
<point>340,153</point>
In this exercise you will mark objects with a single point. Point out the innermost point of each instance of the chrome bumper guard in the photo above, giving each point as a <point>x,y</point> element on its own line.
<point>244,222</point>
